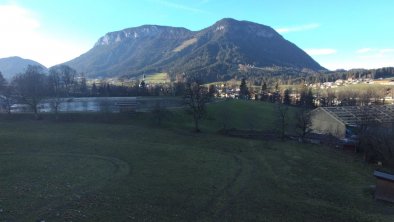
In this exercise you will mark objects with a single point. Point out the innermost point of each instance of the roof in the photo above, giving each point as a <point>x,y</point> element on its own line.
<point>382,175</point>
<point>354,115</point>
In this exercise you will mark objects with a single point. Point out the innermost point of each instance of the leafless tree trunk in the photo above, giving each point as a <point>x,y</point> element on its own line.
<point>61,82</point>
<point>282,117</point>
<point>31,87</point>
<point>196,96</point>
<point>304,123</point>
<point>8,98</point>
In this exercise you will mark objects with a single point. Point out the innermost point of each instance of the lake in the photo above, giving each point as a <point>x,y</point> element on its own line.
<point>103,104</point>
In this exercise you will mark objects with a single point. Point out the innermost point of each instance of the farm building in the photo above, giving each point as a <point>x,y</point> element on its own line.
<point>384,186</point>
<point>343,121</point>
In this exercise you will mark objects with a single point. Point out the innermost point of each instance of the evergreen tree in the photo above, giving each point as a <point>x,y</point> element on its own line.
<point>83,88</point>
<point>243,90</point>
<point>142,88</point>
<point>309,99</point>
<point>264,92</point>
<point>286,97</point>
<point>94,90</point>
<point>264,87</point>
<point>306,98</point>
<point>211,91</point>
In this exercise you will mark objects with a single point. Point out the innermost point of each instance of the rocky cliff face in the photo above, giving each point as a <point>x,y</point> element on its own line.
<point>146,31</point>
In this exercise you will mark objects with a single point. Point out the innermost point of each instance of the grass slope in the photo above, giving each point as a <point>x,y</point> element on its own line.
<point>157,78</point>
<point>129,170</point>
<point>247,115</point>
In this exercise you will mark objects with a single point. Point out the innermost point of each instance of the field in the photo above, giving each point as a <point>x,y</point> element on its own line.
<point>157,78</point>
<point>118,168</point>
<point>363,87</point>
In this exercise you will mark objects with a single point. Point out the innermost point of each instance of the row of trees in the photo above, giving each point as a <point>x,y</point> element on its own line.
<point>300,95</point>
<point>291,76</point>
<point>376,139</point>
<point>34,85</point>
<point>274,95</point>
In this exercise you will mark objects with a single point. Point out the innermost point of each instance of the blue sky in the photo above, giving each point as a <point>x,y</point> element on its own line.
<point>336,33</point>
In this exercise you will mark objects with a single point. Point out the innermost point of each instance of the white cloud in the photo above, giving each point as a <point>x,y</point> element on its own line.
<point>22,35</point>
<point>364,50</point>
<point>314,52</point>
<point>298,28</point>
<point>383,51</point>
<point>14,19</point>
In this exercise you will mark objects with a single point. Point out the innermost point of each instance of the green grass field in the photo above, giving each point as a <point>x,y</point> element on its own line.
<point>132,170</point>
<point>157,78</point>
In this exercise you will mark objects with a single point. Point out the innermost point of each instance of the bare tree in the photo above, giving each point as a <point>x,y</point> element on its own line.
<point>282,117</point>
<point>347,97</point>
<point>330,97</point>
<point>381,95</point>
<point>31,87</point>
<point>8,98</point>
<point>61,81</point>
<point>57,90</point>
<point>67,76</point>
<point>378,142</point>
<point>303,123</point>
<point>365,97</point>
<point>6,94</point>
<point>376,139</point>
<point>196,96</point>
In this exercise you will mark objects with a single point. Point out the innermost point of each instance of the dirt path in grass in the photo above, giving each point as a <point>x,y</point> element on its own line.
<point>219,206</point>
<point>247,171</point>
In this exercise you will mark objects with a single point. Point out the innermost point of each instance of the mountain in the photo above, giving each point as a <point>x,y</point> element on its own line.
<point>216,51</point>
<point>12,66</point>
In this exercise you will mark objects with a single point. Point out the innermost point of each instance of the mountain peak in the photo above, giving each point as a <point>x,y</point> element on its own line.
<point>245,27</point>
<point>227,21</point>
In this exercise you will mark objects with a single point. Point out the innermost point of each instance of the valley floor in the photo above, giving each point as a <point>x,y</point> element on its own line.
<point>96,171</point>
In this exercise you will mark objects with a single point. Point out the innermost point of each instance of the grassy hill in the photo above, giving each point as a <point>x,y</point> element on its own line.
<point>158,78</point>
<point>92,170</point>
<point>239,114</point>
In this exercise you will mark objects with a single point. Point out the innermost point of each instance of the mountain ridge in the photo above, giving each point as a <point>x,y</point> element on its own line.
<point>11,66</point>
<point>215,51</point>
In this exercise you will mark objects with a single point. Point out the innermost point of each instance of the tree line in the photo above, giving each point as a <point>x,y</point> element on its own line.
<point>61,82</point>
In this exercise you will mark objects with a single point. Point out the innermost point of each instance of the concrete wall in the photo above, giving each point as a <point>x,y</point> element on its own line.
<point>324,123</point>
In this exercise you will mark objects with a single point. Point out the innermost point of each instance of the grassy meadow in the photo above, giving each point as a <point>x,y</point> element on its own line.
<point>107,167</point>
<point>157,78</point>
